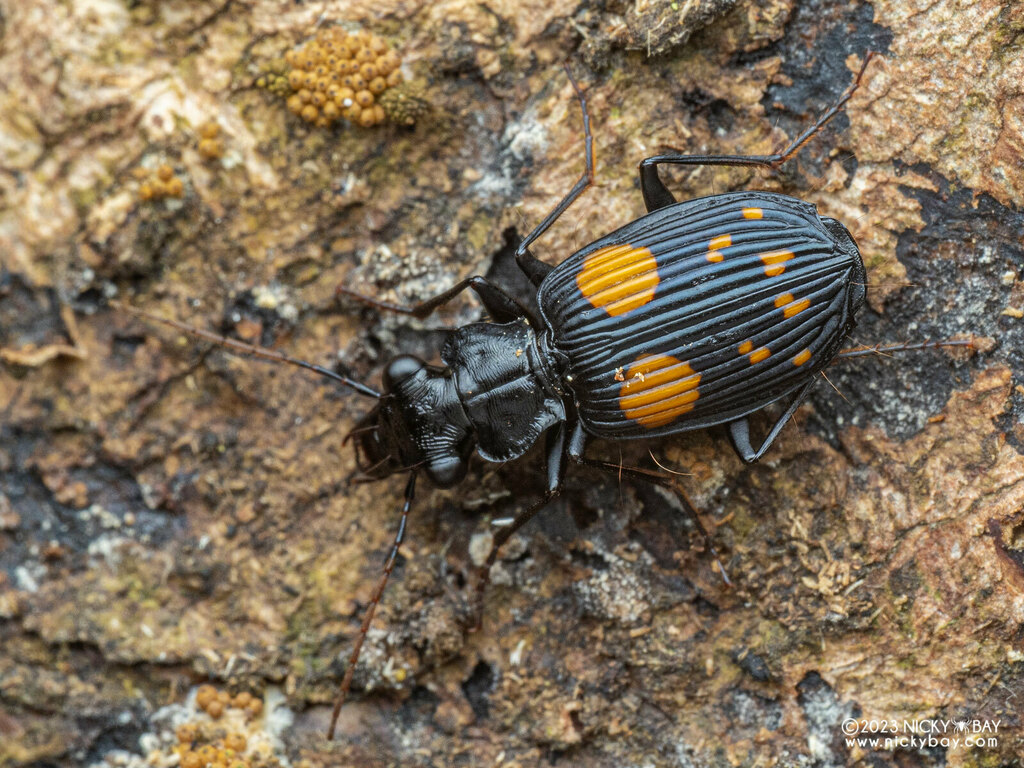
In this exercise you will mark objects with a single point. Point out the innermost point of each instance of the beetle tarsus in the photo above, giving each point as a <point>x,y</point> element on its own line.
<point>656,194</point>
<point>504,534</point>
<point>500,306</point>
<point>586,180</point>
<point>389,566</point>
<point>883,350</point>
<point>667,481</point>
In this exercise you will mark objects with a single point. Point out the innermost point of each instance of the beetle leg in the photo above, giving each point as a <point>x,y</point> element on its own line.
<point>577,441</point>
<point>667,481</point>
<point>739,430</point>
<point>656,195</point>
<point>389,566</point>
<point>499,305</point>
<point>555,443</point>
<point>554,448</point>
<point>584,181</point>
<point>534,269</point>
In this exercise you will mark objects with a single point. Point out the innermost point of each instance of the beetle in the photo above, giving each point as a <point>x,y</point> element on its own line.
<point>698,313</point>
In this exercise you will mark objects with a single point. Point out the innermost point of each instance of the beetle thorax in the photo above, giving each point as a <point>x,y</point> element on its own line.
<point>505,381</point>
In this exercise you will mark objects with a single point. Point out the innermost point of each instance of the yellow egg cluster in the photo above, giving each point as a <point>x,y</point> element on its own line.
<point>340,74</point>
<point>195,751</point>
<point>214,702</point>
<point>200,746</point>
<point>159,183</point>
<point>210,147</point>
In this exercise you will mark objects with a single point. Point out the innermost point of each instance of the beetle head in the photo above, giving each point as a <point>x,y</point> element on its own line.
<point>379,442</point>
<point>417,422</point>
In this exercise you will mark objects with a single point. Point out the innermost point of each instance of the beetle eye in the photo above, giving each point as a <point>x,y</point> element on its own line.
<point>400,369</point>
<point>446,471</point>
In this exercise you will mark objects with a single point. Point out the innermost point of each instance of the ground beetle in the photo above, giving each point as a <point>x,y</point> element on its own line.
<point>696,314</point>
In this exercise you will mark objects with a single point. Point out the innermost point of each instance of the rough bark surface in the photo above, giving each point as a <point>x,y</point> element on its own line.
<point>171,514</point>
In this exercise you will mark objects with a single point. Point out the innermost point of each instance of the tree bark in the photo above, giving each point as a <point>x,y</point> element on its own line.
<point>171,514</point>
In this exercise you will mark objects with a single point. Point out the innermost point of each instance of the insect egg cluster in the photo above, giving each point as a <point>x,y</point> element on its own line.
<point>201,745</point>
<point>212,729</point>
<point>210,146</point>
<point>341,75</point>
<point>214,702</point>
<point>159,183</point>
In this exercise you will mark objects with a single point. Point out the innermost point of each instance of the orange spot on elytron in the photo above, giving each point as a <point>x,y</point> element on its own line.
<point>773,262</point>
<point>715,256</point>
<point>783,299</point>
<point>796,308</point>
<point>753,213</point>
<point>802,358</point>
<point>658,389</point>
<point>759,354</point>
<point>618,278</point>
<point>745,347</point>
<point>720,242</point>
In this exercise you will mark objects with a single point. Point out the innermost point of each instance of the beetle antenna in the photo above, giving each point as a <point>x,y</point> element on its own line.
<point>884,350</point>
<point>389,566</point>
<point>249,349</point>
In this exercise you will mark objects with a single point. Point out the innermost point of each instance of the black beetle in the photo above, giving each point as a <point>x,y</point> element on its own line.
<point>696,314</point>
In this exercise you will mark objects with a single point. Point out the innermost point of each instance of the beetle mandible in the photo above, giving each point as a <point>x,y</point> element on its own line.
<point>696,314</point>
